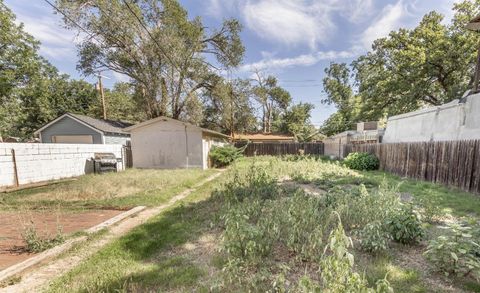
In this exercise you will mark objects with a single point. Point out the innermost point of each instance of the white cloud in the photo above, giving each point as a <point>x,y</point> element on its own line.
<point>301,60</point>
<point>294,22</point>
<point>56,42</point>
<point>357,11</point>
<point>120,77</point>
<point>389,19</point>
<point>289,22</point>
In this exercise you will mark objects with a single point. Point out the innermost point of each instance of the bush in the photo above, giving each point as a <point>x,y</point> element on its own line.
<point>457,253</point>
<point>405,226</point>
<point>224,156</point>
<point>361,161</point>
<point>35,243</point>
<point>374,238</point>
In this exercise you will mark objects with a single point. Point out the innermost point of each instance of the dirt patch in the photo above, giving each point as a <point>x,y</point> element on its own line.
<point>12,246</point>
<point>412,258</point>
<point>35,278</point>
<point>310,189</point>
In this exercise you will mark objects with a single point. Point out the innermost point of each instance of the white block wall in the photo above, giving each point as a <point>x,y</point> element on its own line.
<point>41,162</point>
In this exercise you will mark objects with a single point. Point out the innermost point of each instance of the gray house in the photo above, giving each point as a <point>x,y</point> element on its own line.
<point>75,128</point>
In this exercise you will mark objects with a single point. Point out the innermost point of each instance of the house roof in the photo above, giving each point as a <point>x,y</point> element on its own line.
<point>263,137</point>
<point>474,24</point>
<point>163,118</point>
<point>102,125</point>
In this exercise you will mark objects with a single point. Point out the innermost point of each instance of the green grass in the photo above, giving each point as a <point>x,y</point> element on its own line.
<point>138,260</point>
<point>452,200</point>
<point>114,190</point>
<point>152,257</point>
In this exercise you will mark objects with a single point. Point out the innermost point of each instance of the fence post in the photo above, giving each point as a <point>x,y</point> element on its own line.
<point>408,159</point>
<point>14,159</point>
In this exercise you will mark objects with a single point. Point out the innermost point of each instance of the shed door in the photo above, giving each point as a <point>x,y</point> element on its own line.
<point>83,139</point>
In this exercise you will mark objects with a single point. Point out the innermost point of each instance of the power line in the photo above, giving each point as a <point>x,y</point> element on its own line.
<point>311,85</point>
<point>148,32</point>
<point>304,80</point>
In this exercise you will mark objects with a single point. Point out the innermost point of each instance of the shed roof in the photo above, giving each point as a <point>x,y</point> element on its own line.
<point>103,125</point>
<point>474,24</point>
<point>163,119</point>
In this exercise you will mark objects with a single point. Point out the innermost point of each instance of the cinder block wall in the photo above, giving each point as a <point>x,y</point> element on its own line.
<point>43,162</point>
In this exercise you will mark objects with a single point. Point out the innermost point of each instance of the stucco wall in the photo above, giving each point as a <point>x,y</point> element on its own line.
<point>68,126</point>
<point>452,121</point>
<point>164,145</point>
<point>42,162</point>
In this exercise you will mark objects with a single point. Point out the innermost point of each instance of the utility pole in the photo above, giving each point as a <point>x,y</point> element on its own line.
<point>102,95</point>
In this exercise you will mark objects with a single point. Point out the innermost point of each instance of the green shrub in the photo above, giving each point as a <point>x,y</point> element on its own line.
<point>430,209</point>
<point>224,156</point>
<point>35,243</point>
<point>405,226</point>
<point>456,253</point>
<point>374,238</point>
<point>337,268</point>
<point>361,161</point>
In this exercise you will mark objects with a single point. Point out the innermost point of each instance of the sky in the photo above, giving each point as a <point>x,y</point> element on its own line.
<point>295,40</point>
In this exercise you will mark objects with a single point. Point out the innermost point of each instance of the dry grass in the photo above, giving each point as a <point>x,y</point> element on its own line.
<point>116,190</point>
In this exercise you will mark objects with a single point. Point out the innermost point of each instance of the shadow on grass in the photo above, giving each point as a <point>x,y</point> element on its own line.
<point>143,259</point>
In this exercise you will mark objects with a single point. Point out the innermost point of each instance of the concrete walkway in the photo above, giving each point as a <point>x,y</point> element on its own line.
<point>37,278</point>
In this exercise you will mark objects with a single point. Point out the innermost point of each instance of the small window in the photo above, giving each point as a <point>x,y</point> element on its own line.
<point>82,139</point>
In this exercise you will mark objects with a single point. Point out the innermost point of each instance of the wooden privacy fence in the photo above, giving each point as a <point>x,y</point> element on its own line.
<point>281,148</point>
<point>452,163</point>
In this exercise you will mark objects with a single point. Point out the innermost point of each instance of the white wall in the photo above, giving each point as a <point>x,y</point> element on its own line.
<point>42,162</point>
<point>164,145</point>
<point>208,142</point>
<point>452,121</point>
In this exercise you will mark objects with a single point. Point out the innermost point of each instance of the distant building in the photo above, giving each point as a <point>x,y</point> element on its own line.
<point>366,132</point>
<point>75,128</point>
<point>263,137</point>
<point>166,143</point>
<point>457,120</point>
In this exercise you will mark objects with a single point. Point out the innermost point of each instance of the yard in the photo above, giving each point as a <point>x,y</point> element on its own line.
<point>62,210</point>
<point>270,224</point>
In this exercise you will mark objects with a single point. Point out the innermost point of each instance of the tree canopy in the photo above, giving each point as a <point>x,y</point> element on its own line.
<point>156,45</point>
<point>430,64</point>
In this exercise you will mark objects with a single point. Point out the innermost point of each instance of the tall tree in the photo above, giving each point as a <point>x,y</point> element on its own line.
<point>271,97</point>
<point>430,64</point>
<point>296,121</point>
<point>32,92</point>
<point>229,109</point>
<point>19,63</point>
<point>156,45</point>
<point>340,93</point>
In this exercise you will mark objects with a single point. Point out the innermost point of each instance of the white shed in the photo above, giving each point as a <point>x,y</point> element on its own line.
<point>165,143</point>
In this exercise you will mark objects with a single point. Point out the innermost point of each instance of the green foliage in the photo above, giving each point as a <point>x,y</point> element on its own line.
<point>228,108</point>
<point>337,269</point>
<point>296,121</point>
<point>374,238</point>
<point>35,243</point>
<point>169,64</point>
<point>457,252</point>
<point>271,97</point>
<point>405,226</point>
<point>430,64</point>
<point>224,155</point>
<point>429,208</point>
<point>362,161</point>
